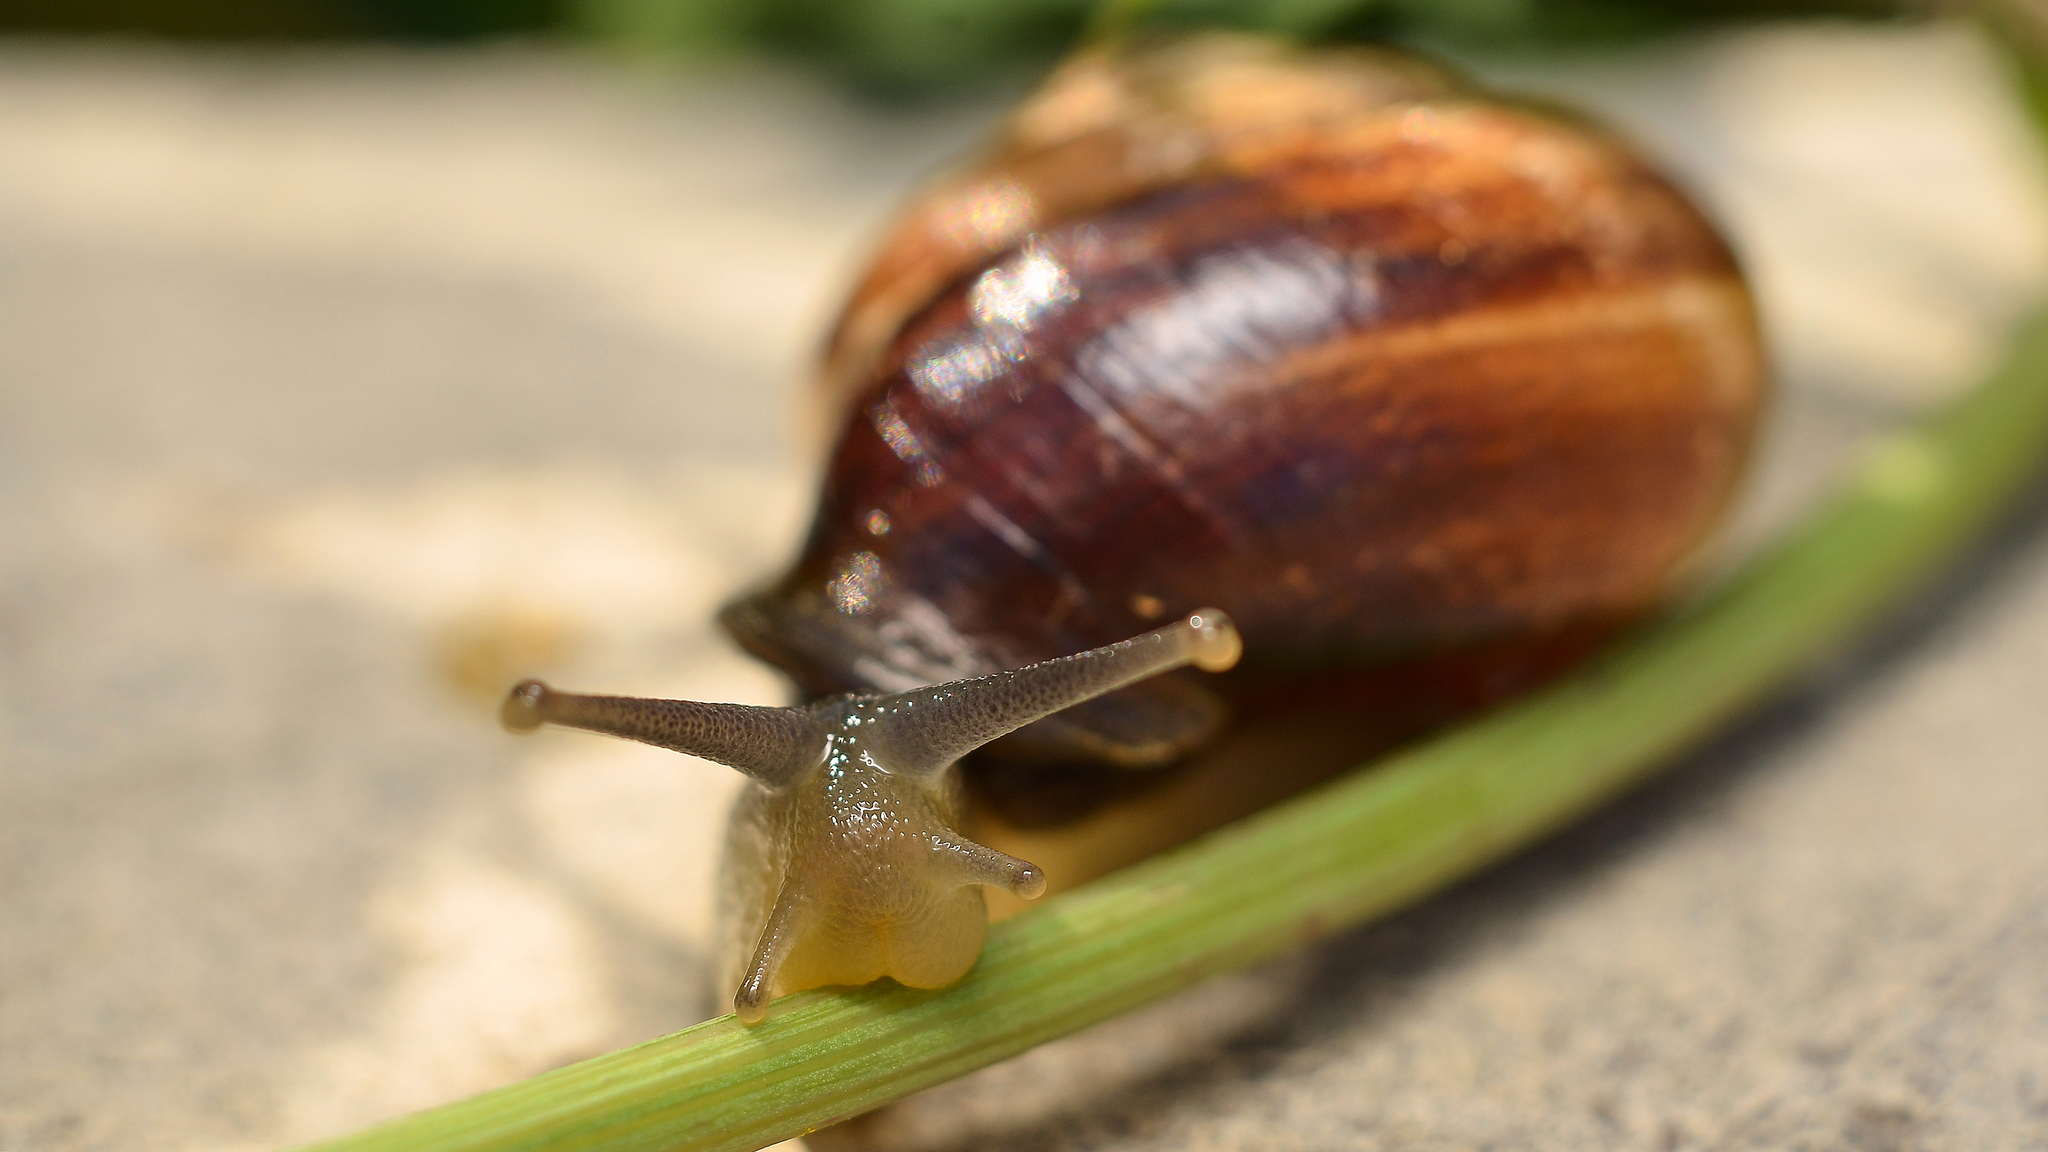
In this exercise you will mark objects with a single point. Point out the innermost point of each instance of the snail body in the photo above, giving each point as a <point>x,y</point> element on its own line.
<point>844,861</point>
<point>1425,390</point>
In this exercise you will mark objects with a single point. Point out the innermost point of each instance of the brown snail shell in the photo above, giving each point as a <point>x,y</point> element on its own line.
<point>1426,389</point>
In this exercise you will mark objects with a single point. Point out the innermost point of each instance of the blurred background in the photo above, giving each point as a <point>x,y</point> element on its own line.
<point>359,357</point>
<point>911,48</point>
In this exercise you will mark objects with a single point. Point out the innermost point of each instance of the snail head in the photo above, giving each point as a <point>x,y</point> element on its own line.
<point>856,867</point>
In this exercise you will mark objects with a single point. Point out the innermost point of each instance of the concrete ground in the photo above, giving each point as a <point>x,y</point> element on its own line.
<point>338,388</point>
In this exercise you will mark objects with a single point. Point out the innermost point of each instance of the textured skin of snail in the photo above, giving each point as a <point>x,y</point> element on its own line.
<point>845,858</point>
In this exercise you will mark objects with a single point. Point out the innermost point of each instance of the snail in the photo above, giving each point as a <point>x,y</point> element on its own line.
<point>1428,391</point>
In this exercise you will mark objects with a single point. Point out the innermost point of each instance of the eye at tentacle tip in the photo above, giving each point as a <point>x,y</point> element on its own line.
<point>1214,644</point>
<point>525,707</point>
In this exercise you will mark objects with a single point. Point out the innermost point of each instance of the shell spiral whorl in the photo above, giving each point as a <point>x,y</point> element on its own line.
<point>1385,368</point>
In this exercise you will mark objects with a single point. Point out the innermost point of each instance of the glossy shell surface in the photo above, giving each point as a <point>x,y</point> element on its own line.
<point>1381,367</point>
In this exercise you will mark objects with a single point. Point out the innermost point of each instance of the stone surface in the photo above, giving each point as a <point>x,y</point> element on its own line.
<point>337,389</point>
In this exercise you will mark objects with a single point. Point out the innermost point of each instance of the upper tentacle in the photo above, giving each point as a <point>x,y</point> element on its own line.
<point>773,745</point>
<point>918,733</point>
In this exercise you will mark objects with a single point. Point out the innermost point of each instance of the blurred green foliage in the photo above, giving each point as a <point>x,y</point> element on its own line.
<point>903,47</point>
<point>288,19</point>
<point>917,46</point>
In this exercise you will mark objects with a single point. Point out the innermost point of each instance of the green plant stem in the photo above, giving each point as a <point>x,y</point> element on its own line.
<point>1363,846</point>
<point>1366,845</point>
